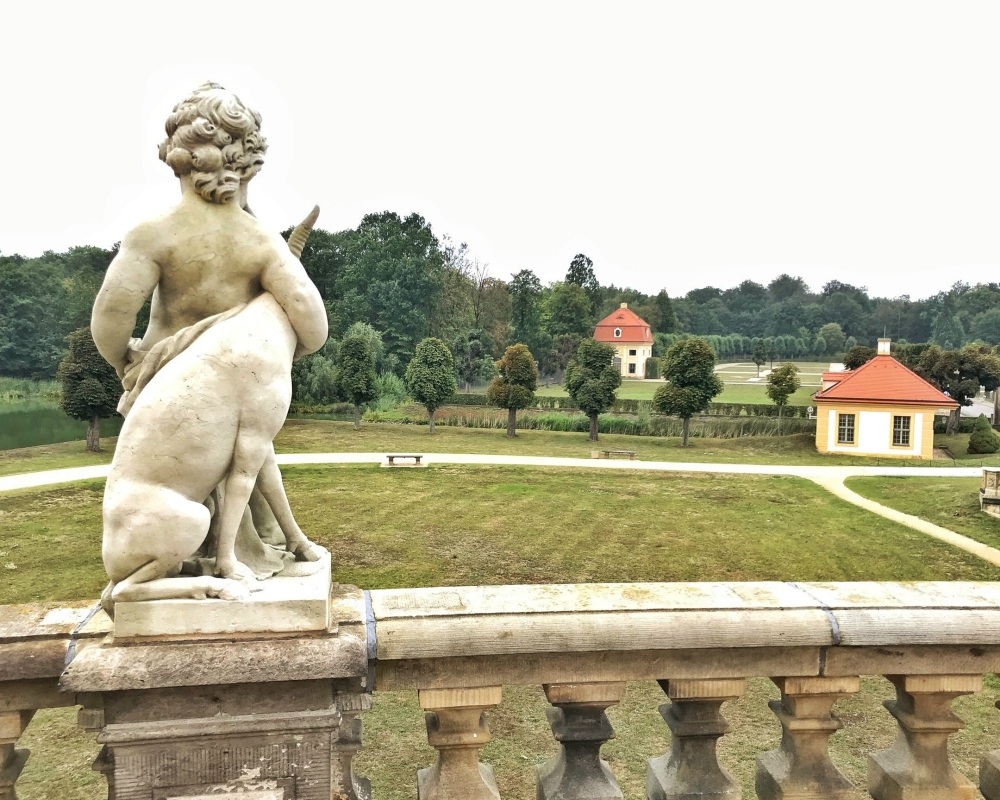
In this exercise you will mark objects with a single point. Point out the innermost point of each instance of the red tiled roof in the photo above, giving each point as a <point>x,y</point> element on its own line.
<point>883,380</point>
<point>633,327</point>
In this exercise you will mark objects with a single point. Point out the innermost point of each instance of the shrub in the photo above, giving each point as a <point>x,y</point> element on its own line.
<point>983,440</point>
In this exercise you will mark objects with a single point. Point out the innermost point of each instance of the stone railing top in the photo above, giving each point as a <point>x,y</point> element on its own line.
<point>37,640</point>
<point>498,620</point>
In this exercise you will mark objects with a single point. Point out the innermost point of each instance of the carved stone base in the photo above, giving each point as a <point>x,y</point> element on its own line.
<point>278,756</point>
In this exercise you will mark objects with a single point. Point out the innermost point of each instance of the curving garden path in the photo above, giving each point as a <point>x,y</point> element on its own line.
<point>830,478</point>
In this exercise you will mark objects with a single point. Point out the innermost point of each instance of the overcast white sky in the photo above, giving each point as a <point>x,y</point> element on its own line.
<point>677,144</point>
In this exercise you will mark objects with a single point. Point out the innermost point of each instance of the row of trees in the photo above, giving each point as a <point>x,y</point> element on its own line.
<point>787,307</point>
<point>394,274</point>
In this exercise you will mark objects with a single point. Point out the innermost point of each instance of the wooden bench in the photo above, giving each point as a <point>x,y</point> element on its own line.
<point>609,453</point>
<point>391,460</point>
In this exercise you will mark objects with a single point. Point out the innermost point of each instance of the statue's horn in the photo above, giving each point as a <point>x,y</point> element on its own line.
<point>298,238</point>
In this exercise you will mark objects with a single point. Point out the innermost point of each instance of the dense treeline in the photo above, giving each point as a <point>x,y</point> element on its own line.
<point>396,275</point>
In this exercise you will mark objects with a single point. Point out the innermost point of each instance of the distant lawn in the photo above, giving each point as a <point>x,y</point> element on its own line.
<point>952,503</point>
<point>733,393</point>
<point>324,436</point>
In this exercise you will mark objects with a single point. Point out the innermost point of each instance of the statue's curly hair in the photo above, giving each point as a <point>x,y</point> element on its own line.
<point>215,138</point>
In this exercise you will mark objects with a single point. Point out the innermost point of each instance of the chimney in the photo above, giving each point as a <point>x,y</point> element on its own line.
<point>624,305</point>
<point>883,347</point>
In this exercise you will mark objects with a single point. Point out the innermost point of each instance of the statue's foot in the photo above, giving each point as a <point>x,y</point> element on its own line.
<point>308,551</point>
<point>227,589</point>
<point>234,570</point>
<point>107,602</point>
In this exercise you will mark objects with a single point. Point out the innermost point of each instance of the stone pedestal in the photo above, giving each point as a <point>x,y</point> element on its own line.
<point>265,716</point>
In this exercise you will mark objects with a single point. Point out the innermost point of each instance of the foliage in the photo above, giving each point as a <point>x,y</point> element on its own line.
<point>514,387</point>
<point>473,361</point>
<point>759,354</point>
<point>689,368</point>
<point>652,368</point>
<point>356,377</point>
<point>782,383</point>
<point>591,380</point>
<point>569,311</point>
<point>430,376</point>
<point>90,386</point>
<point>983,439</point>
<point>859,355</point>
<point>391,390</point>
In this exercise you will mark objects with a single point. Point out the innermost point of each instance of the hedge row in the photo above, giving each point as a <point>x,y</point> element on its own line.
<point>630,406</point>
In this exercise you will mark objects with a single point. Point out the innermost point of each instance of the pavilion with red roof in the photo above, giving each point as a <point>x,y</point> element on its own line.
<point>631,337</point>
<point>879,409</point>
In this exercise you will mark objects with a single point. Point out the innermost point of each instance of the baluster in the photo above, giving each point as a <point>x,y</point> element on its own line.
<point>350,705</point>
<point>457,728</point>
<point>580,726</point>
<point>801,766</point>
<point>12,758</point>
<point>691,768</point>
<point>917,765</point>
<point>989,773</point>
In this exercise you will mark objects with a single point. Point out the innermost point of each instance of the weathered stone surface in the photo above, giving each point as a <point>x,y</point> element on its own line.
<point>457,728</point>
<point>283,605</point>
<point>581,726</point>
<point>691,768</point>
<point>917,766</point>
<point>800,767</point>
<point>209,384</point>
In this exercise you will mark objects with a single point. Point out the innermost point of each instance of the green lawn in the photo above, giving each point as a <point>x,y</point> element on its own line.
<point>732,393</point>
<point>952,503</point>
<point>510,525</point>
<point>323,436</point>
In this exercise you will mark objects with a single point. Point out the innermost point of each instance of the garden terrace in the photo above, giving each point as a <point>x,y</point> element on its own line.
<point>461,647</point>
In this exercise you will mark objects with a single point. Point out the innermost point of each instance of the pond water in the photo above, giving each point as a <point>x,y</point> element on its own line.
<point>27,423</point>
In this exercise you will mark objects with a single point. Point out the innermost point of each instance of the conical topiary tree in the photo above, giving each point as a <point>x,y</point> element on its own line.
<point>90,387</point>
<point>983,440</point>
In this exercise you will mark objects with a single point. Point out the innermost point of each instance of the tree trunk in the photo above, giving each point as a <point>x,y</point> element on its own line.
<point>953,419</point>
<point>593,427</point>
<point>430,421</point>
<point>94,435</point>
<point>996,408</point>
<point>357,417</point>
<point>779,420</point>
<point>511,422</point>
<point>684,432</point>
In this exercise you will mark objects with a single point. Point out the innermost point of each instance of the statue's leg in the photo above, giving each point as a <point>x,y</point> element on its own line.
<point>270,485</point>
<point>182,526</point>
<point>249,455</point>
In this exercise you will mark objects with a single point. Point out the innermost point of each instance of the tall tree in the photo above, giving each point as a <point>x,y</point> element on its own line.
<point>689,369</point>
<point>514,387</point>
<point>581,273</point>
<point>90,387</point>
<point>859,355</point>
<point>430,376</point>
<point>782,383</point>
<point>668,319</point>
<point>356,376</point>
<point>393,276</point>
<point>569,311</point>
<point>471,351</point>
<point>591,380</point>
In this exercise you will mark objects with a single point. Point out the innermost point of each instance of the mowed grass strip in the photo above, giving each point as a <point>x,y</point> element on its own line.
<point>952,503</point>
<point>470,525</point>
<point>478,525</point>
<point>736,390</point>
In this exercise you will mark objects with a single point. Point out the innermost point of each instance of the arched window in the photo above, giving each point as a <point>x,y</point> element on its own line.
<point>618,333</point>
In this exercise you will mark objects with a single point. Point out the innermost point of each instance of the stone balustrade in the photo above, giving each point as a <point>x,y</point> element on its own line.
<point>458,648</point>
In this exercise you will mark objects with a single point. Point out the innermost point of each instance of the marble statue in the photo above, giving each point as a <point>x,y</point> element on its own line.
<point>208,385</point>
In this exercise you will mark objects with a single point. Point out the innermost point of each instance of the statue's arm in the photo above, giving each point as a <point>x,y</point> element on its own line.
<point>128,283</point>
<point>286,279</point>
